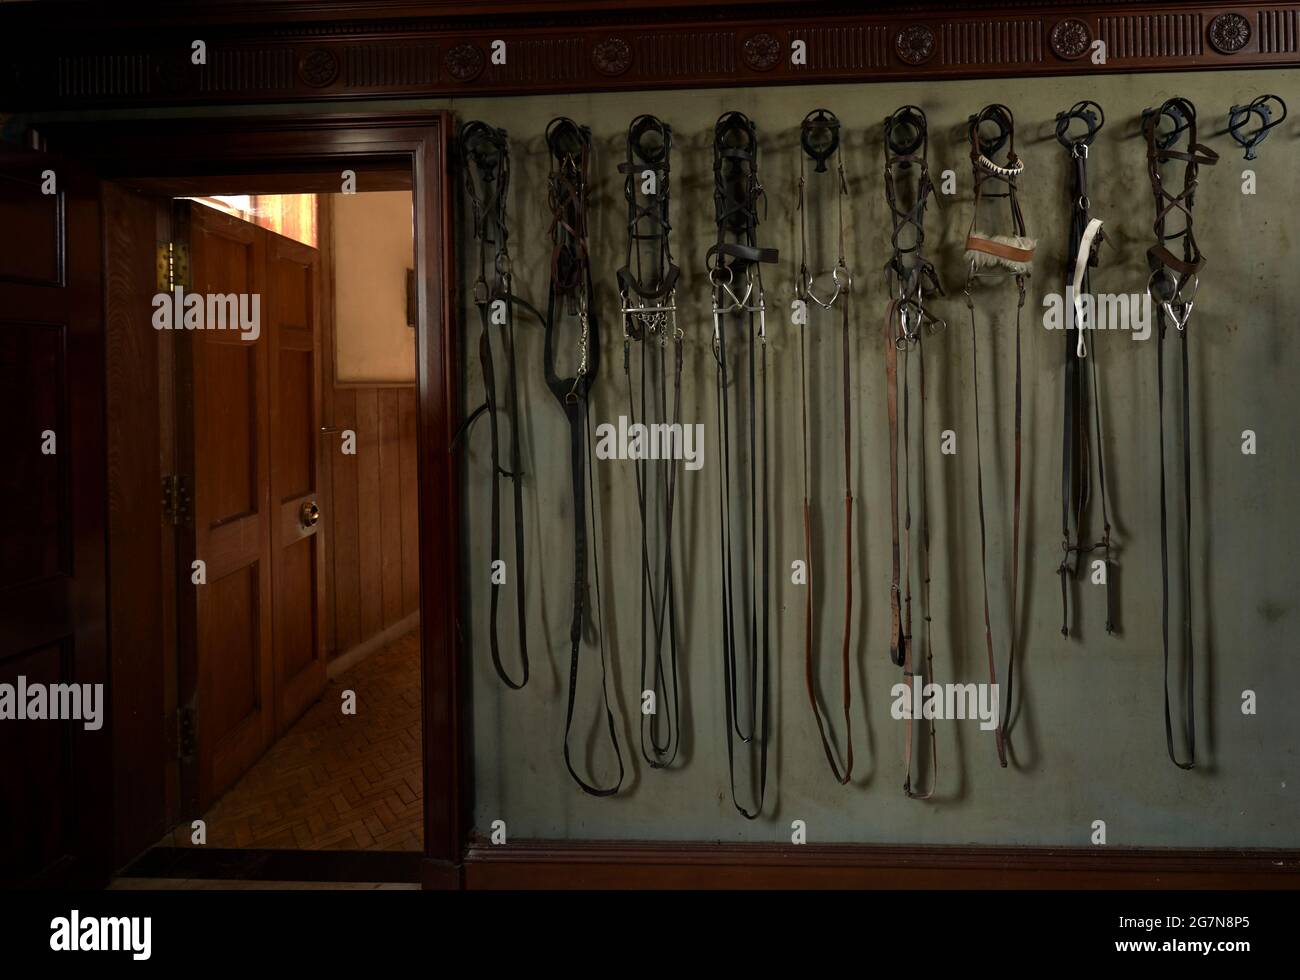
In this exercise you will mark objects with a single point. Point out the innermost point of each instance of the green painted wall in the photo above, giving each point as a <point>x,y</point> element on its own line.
<point>1089,741</point>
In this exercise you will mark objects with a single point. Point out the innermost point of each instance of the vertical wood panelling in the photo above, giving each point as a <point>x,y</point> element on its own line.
<point>390,504</point>
<point>370,562</point>
<point>347,561</point>
<point>410,504</point>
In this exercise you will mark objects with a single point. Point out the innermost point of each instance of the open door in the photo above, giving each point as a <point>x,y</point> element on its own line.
<point>224,448</point>
<point>298,554</point>
<point>248,421</point>
<point>55,808</point>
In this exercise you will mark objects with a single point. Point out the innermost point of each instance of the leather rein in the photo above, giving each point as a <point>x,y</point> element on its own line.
<point>910,277</point>
<point>998,257</point>
<point>571,298</point>
<point>1172,286</point>
<point>647,284</point>
<point>820,142</point>
<point>734,265</point>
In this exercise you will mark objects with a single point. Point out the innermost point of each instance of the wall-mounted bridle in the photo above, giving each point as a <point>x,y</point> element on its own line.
<point>1172,286</point>
<point>647,284</point>
<point>734,271</point>
<point>1076,130</point>
<point>1000,256</point>
<point>571,296</point>
<point>909,277</point>
<point>486,156</point>
<point>820,142</point>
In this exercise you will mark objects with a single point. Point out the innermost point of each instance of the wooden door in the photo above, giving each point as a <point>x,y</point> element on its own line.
<point>55,812</point>
<point>224,443</point>
<point>293,279</point>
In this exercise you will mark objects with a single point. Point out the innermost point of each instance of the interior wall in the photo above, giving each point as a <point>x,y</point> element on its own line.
<point>1089,739</point>
<point>373,236</point>
<point>372,552</point>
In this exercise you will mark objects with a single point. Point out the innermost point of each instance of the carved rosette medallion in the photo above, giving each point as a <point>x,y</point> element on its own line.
<point>464,62</point>
<point>318,67</point>
<point>761,51</point>
<point>612,56</point>
<point>1070,39</point>
<point>1229,33</point>
<point>915,44</point>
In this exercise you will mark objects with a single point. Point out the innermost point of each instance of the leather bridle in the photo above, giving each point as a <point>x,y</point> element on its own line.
<point>647,284</point>
<point>1081,371</point>
<point>820,141</point>
<point>570,297</point>
<point>486,156</point>
<point>1000,256</point>
<point>1168,286</point>
<point>910,277</point>
<point>734,272</point>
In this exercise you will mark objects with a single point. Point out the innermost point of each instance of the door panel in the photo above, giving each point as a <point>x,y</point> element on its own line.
<point>294,331</point>
<point>55,807</point>
<point>223,391</point>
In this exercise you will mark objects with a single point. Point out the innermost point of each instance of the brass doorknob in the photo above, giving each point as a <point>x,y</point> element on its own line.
<point>309,513</point>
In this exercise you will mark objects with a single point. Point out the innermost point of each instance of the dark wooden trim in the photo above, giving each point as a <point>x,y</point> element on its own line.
<point>707,864</point>
<point>276,864</point>
<point>71,56</point>
<point>172,148</point>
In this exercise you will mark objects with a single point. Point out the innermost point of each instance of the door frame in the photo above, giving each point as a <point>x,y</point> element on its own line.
<point>157,152</point>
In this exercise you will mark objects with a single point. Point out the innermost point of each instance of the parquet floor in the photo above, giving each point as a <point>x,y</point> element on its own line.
<point>351,782</point>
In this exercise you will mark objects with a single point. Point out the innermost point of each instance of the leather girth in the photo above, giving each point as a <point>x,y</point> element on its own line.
<point>734,264</point>
<point>1172,286</point>
<point>570,297</point>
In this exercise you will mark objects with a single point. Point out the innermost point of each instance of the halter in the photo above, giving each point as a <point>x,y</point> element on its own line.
<point>1000,256</point>
<point>909,278</point>
<point>734,271</point>
<point>1168,286</point>
<point>820,140</point>
<point>571,296</point>
<point>486,153</point>
<point>647,284</point>
<point>1077,448</point>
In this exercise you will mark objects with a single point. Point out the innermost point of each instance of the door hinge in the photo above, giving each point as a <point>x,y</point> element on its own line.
<point>185,743</point>
<point>173,265</point>
<point>175,499</point>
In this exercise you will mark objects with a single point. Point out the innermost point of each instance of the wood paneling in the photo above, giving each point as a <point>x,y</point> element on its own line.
<point>390,504</point>
<point>55,805</point>
<point>139,639</point>
<point>432,50</point>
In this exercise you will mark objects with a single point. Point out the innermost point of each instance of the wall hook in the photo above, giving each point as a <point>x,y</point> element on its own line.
<point>1239,118</point>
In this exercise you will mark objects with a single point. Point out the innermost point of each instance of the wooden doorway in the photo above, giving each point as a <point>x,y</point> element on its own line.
<point>180,158</point>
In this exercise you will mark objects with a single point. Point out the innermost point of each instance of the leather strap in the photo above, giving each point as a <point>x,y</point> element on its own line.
<point>734,271</point>
<point>1174,303</point>
<point>646,285</point>
<point>571,293</point>
<point>910,277</point>
<point>820,142</point>
<point>486,157</point>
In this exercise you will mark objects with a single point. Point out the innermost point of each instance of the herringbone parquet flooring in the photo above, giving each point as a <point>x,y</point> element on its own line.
<point>350,782</point>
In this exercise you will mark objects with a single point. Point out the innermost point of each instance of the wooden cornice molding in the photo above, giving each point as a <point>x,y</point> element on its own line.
<point>65,56</point>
